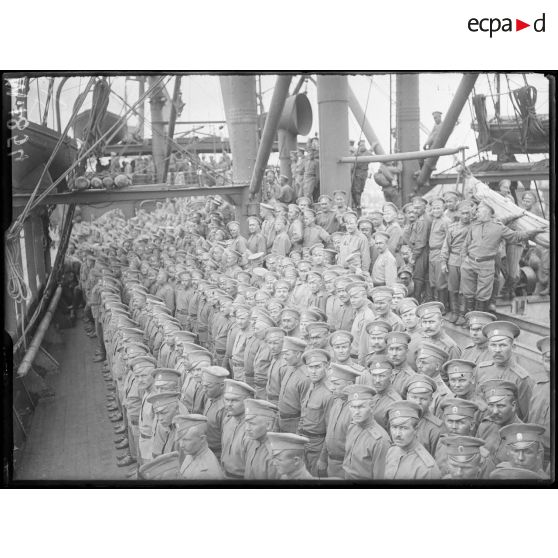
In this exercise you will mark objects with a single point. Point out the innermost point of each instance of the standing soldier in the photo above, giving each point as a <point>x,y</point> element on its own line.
<point>430,359</point>
<point>260,418</point>
<point>287,450</point>
<point>450,256</point>
<point>165,407</point>
<point>503,363</point>
<point>397,347</point>
<point>524,447</point>
<point>477,349</point>
<point>256,242</point>
<point>359,175</point>
<point>213,384</point>
<point>311,179</point>
<point>539,406</point>
<point>464,457</point>
<point>242,314</point>
<point>418,242</point>
<point>326,217</point>
<point>268,224</point>
<point>313,233</point>
<point>164,290</point>
<point>431,320</point>
<point>362,314</point>
<point>420,390</point>
<point>381,372</point>
<point>294,384</point>
<point>234,428</point>
<point>199,463</point>
<point>407,458</point>
<point>384,270</point>
<point>367,442</point>
<point>436,274</point>
<point>462,383</point>
<point>501,398</point>
<point>341,316</point>
<point>354,242</point>
<point>451,201</point>
<point>274,339</point>
<point>479,253</point>
<point>315,406</point>
<point>373,344</point>
<point>337,421</point>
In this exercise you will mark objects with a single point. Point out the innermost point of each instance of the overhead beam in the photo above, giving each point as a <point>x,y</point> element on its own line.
<point>448,124</point>
<point>133,193</point>
<point>493,176</point>
<point>411,155</point>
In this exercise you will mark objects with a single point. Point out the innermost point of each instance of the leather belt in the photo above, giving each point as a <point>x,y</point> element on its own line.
<point>288,417</point>
<point>482,259</point>
<point>312,436</point>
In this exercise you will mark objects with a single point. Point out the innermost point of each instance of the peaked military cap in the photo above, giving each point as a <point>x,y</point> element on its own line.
<point>313,356</point>
<point>183,423</point>
<point>216,371</point>
<point>163,467</point>
<point>360,392</point>
<point>400,412</point>
<point>478,317</point>
<point>161,401</point>
<point>430,308</point>
<point>340,335</point>
<point>382,235</point>
<point>163,375</point>
<point>521,435</point>
<point>260,408</point>
<point>318,326</point>
<point>419,383</point>
<point>433,350</point>
<point>458,408</point>
<point>239,388</point>
<point>500,330</point>
<point>378,326</point>
<point>195,357</point>
<point>143,361</point>
<point>282,441</point>
<point>343,372</point>
<point>495,390</point>
<point>378,363</point>
<point>459,366</point>
<point>399,288</point>
<point>293,344</point>
<point>398,337</point>
<point>407,304</point>
<point>462,448</point>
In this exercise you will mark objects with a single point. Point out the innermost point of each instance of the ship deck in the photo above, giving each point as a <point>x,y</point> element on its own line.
<point>71,437</point>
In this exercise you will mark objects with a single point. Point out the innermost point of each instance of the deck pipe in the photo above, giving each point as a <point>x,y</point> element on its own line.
<point>411,155</point>
<point>448,124</point>
<point>39,335</point>
<point>280,93</point>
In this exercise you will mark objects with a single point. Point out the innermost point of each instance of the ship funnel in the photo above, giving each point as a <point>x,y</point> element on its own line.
<point>296,118</point>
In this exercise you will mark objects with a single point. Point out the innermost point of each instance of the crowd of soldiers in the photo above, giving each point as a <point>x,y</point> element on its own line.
<point>310,348</point>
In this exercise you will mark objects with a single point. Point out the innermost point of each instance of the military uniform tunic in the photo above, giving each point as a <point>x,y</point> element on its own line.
<point>511,371</point>
<point>355,242</point>
<point>294,386</point>
<point>233,443</point>
<point>539,406</point>
<point>384,270</point>
<point>337,424</point>
<point>203,466</point>
<point>400,377</point>
<point>489,431</point>
<point>476,353</point>
<point>410,463</point>
<point>277,367</point>
<point>258,460</point>
<point>428,431</point>
<point>214,410</point>
<point>381,404</point>
<point>366,447</point>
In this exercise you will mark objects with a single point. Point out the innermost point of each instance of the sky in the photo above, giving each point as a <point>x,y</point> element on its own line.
<point>202,97</point>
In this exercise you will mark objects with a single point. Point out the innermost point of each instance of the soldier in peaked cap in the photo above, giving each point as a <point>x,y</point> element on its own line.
<point>367,442</point>
<point>397,349</point>
<point>342,315</point>
<point>384,270</point>
<point>294,384</point>
<point>524,446</point>
<point>288,455</point>
<point>430,359</point>
<point>260,418</point>
<point>407,458</point>
<point>363,314</point>
<point>539,406</point>
<point>274,340</point>
<point>289,322</point>
<point>464,457</point>
<point>327,216</point>
<point>501,398</point>
<point>382,298</point>
<point>420,390</point>
<point>451,200</point>
<point>460,418</point>
<point>431,321</point>
<point>354,242</point>
<point>199,462</point>
<point>318,335</point>
<point>462,383</point>
<point>337,421</point>
<point>503,364</point>
<point>234,428</point>
<point>379,377</point>
<point>375,341</point>
<point>477,349</point>
<point>315,405</point>
<point>213,384</point>
<point>193,395</point>
<point>165,407</point>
